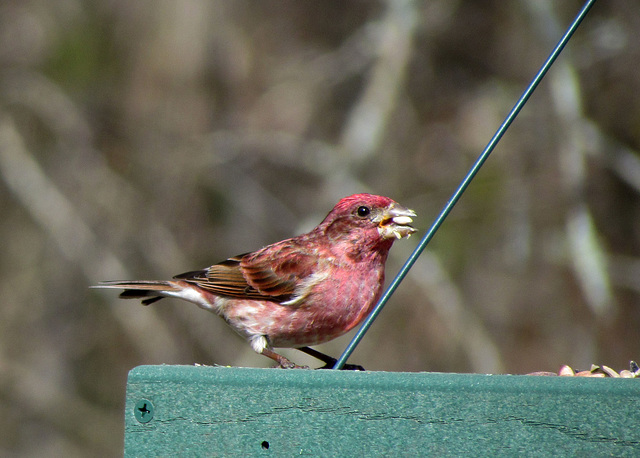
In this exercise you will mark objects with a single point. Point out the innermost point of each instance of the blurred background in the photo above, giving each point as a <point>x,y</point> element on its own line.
<point>139,140</point>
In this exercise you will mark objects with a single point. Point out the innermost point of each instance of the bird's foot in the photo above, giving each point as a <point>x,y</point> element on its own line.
<point>346,367</point>
<point>329,361</point>
<point>282,362</point>
<point>290,365</point>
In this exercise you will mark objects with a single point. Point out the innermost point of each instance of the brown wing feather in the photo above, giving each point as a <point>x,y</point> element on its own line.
<point>268,274</point>
<point>224,278</point>
<point>278,270</point>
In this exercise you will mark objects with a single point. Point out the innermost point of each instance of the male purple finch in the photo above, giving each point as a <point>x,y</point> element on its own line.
<point>301,291</point>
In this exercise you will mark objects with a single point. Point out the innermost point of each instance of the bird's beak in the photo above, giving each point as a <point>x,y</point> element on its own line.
<point>396,221</point>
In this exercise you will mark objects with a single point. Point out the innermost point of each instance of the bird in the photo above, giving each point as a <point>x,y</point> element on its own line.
<point>301,291</point>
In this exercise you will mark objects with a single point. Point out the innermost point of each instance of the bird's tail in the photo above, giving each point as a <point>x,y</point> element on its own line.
<point>149,291</point>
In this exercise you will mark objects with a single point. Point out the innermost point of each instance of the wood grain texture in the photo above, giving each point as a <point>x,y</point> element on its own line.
<point>215,411</point>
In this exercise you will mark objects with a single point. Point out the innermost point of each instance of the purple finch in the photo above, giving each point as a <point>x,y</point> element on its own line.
<point>301,291</point>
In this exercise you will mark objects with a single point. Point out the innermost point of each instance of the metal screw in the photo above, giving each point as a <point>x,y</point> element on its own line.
<point>143,411</point>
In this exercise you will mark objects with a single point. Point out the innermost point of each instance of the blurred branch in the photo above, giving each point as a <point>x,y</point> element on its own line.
<point>59,219</point>
<point>588,256</point>
<point>367,121</point>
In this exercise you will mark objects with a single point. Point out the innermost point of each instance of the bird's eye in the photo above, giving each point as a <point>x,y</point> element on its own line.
<point>363,211</point>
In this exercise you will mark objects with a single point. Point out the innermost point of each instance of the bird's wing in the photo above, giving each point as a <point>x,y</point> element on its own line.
<point>224,278</point>
<point>272,273</point>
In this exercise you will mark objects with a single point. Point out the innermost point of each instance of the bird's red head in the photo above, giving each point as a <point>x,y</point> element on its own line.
<point>368,219</point>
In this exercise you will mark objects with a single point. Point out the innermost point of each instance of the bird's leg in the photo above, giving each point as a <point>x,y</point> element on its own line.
<point>329,361</point>
<point>283,362</point>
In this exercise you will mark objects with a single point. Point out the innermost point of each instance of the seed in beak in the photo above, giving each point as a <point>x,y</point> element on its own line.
<point>402,220</point>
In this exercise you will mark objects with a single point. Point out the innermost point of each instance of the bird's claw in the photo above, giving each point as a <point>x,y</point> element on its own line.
<point>329,361</point>
<point>290,365</point>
